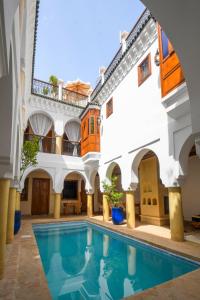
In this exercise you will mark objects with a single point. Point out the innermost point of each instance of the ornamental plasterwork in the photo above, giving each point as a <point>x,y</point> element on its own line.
<point>136,51</point>
<point>54,106</point>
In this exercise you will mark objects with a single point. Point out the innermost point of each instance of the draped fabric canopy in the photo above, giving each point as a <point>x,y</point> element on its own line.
<point>40,125</point>
<point>72,130</point>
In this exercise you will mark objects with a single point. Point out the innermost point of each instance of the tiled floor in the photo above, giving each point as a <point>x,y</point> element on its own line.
<point>25,279</point>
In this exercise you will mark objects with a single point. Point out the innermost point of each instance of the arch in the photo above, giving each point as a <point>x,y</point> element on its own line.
<point>136,161</point>
<point>32,169</point>
<point>73,120</point>
<point>110,169</point>
<point>40,111</point>
<point>184,154</point>
<point>81,173</point>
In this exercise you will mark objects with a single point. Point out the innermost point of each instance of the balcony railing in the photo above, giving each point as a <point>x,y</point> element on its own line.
<point>71,148</point>
<point>46,144</point>
<point>57,93</point>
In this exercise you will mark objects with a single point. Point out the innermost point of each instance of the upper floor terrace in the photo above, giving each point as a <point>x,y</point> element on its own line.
<point>58,93</point>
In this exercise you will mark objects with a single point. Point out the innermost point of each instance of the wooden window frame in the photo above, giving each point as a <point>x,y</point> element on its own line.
<point>109,110</point>
<point>90,122</point>
<point>141,79</point>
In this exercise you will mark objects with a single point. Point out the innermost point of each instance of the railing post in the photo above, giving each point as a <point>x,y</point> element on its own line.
<point>60,87</point>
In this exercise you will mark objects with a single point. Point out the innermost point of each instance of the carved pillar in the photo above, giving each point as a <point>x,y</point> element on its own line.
<point>57,203</point>
<point>105,208</point>
<point>130,209</point>
<point>176,214</point>
<point>89,205</point>
<point>11,214</point>
<point>4,195</point>
<point>58,144</point>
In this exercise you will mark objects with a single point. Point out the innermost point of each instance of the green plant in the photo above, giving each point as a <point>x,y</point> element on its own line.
<point>29,155</point>
<point>45,90</point>
<point>54,81</point>
<point>113,197</point>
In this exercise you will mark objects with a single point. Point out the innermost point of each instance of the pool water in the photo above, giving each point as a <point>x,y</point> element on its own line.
<point>86,261</point>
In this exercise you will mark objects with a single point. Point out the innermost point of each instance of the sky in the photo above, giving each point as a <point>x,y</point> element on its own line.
<point>76,37</point>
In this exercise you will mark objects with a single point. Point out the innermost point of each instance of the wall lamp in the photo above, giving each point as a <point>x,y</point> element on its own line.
<point>157,58</point>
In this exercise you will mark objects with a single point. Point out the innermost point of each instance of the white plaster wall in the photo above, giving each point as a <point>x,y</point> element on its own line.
<point>138,115</point>
<point>191,189</point>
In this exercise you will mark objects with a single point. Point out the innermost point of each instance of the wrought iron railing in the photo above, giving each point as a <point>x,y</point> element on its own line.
<point>46,144</point>
<point>50,91</point>
<point>71,148</point>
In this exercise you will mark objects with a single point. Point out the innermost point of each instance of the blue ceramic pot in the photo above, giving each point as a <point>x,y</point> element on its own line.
<point>117,215</point>
<point>17,221</point>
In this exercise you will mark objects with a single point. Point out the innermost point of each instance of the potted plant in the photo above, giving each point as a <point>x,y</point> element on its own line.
<point>114,200</point>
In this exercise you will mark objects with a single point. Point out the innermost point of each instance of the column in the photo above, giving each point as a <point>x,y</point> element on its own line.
<point>11,214</point>
<point>17,204</point>
<point>176,214</point>
<point>60,87</point>
<point>4,194</point>
<point>105,208</point>
<point>89,205</point>
<point>130,209</point>
<point>58,144</point>
<point>57,202</point>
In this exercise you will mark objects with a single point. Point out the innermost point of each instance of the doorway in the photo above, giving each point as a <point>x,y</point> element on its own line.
<point>40,196</point>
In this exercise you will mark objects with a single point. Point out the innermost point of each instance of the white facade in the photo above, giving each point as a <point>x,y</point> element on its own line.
<point>141,120</point>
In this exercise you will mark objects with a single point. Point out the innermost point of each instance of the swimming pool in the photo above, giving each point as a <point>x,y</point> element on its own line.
<point>86,261</point>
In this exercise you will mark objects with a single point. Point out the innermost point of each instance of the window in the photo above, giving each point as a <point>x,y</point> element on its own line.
<point>109,108</point>
<point>24,193</point>
<point>166,45</point>
<point>144,70</point>
<point>91,125</point>
<point>70,190</point>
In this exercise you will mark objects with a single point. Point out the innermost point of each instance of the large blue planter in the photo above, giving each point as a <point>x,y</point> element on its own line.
<point>117,215</point>
<point>17,224</point>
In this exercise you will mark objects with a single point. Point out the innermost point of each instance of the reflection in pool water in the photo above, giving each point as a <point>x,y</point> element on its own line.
<point>84,261</point>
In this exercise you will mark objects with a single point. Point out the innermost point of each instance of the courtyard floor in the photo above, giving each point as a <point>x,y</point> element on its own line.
<point>24,277</point>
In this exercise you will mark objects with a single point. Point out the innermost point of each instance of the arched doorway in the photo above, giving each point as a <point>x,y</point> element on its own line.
<point>37,194</point>
<point>74,197</point>
<point>190,184</point>
<point>153,196</point>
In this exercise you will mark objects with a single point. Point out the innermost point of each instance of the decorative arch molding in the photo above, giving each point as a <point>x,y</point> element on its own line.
<point>110,169</point>
<point>136,161</point>
<point>72,120</point>
<point>65,173</point>
<point>49,171</point>
<point>184,153</point>
<point>43,112</point>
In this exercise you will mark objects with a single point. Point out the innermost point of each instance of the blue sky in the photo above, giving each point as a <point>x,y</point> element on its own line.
<point>76,37</point>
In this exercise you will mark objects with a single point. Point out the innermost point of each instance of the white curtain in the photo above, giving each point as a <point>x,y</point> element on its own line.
<point>40,125</point>
<point>72,130</point>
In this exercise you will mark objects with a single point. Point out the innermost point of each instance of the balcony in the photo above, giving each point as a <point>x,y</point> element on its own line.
<point>48,145</point>
<point>58,93</point>
<point>71,148</point>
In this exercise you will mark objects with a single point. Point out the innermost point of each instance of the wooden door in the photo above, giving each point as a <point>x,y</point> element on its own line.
<point>40,196</point>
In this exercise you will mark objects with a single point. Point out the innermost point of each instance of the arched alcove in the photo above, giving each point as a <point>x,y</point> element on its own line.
<point>151,196</point>
<point>37,196</point>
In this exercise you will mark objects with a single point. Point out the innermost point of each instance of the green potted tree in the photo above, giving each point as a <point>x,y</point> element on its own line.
<point>115,200</point>
<point>29,158</point>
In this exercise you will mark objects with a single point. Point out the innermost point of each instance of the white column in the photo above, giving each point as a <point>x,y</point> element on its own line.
<point>60,87</point>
